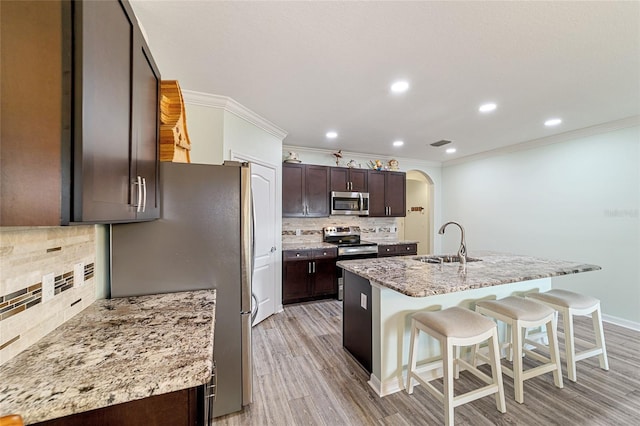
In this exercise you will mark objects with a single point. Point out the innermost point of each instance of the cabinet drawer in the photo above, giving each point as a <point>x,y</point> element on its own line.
<point>327,253</point>
<point>406,249</point>
<point>397,250</point>
<point>296,254</point>
<point>386,251</point>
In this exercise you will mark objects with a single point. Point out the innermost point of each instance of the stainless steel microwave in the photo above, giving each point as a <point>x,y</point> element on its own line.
<point>350,203</point>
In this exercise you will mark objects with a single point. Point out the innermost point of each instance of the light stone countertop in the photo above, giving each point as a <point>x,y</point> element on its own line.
<point>396,242</point>
<point>307,246</point>
<point>417,279</point>
<point>323,245</point>
<point>114,351</point>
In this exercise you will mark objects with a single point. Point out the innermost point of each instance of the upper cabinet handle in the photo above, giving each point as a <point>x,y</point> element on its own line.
<point>138,183</point>
<point>144,194</point>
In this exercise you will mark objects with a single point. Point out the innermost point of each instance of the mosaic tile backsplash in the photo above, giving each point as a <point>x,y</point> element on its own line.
<point>26,255</point>
<point>378,229</point>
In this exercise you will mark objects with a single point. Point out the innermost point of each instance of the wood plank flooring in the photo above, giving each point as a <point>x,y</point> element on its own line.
<point>303,376</point>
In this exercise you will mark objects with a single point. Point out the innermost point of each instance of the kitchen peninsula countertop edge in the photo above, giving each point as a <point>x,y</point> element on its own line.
<point>413,278</point>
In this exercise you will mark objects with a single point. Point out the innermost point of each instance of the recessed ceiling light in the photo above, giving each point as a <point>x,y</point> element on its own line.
<point>487,107</point>
<point>331,135</point>
<point>552,122</point>
<point>398,143</point>
<point>400,86</point>
<point>451,150</point>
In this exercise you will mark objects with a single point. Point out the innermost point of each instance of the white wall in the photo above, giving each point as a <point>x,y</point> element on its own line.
<point>245,137</point>
<point>417,224</point>
<point>575,200</point>
<point>205,126</point>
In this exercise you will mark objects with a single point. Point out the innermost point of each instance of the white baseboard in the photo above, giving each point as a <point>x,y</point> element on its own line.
<point>388,387</point>
<point>621,322</point>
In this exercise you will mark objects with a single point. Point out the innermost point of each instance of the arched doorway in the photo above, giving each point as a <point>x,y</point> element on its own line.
<point>418,224</point>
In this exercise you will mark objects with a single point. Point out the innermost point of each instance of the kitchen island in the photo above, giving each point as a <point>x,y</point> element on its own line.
<point>380,295</point>
<point>113,354</point>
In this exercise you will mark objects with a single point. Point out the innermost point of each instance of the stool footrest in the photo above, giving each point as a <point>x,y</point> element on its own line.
<point>536,356</point>
<point>587,354</point>
<point>473,370</point>
<point>475,394</point>
<point>532,372</point>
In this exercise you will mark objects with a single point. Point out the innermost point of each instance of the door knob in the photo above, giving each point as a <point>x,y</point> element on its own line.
<point>273,249</point>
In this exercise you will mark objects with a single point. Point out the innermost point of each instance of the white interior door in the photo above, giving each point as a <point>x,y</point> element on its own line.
<point>263,181</point>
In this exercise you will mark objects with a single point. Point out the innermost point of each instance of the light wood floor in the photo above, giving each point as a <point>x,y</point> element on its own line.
<point>304,376</point>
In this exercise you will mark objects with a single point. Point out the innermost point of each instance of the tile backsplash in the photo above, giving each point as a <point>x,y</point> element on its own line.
<point>378,229</point>
<point>68,255</point>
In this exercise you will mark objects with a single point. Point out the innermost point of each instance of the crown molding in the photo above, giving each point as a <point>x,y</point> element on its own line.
<point>610,126</point>
<point>230,105</point>
<point>402,160</point>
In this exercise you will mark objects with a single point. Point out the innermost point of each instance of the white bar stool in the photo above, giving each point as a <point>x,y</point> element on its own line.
<point>519,314</point>
<point>455,327</point>
<point>569,304</point>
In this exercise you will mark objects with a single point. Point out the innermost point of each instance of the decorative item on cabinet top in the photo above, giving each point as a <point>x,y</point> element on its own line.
<point>338,155</point>
<point>175,145</point>
<point>392,165</point>
<point>292,158</point>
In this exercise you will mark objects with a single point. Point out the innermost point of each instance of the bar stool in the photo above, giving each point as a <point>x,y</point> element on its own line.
<point>519,313</point>
<point>569,304</point>
<point>455,327</point>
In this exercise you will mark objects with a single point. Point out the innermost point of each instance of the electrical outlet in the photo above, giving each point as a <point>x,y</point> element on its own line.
<point>78,274</point>
<point>363,300</point>
<point>48,289</point>
<point>298,232</point>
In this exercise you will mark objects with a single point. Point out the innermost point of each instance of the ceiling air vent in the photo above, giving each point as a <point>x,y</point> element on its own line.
<point>440,143</point>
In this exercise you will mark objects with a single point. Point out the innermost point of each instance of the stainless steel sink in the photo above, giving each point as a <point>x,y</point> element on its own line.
<point>445,258</point>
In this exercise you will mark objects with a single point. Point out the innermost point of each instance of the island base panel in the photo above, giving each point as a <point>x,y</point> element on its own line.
<point>356,319</point>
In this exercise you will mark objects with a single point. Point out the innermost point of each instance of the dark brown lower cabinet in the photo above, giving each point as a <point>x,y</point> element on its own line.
<point>308,275</point>
<point>180,408</point>
<point>357,327</point>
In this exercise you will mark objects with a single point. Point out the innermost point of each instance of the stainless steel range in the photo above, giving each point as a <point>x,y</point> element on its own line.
<point>350,247</point>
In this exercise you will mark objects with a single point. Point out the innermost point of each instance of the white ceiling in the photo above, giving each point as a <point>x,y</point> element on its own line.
<point>313,66</point>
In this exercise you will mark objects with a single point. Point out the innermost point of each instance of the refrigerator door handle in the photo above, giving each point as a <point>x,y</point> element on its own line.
<point>247,363</point>
<point>255,307</point>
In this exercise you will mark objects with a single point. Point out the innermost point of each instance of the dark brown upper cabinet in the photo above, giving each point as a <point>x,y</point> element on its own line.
<point>80,115</point>
<point>348,180</point>
<point>387,193</point>
<point>305,190</point>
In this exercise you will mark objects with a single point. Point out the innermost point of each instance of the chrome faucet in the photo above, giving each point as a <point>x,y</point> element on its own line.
<point>462,251</point>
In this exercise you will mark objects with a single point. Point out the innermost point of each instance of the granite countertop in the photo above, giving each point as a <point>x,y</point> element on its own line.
<point>114,351</point>
<point>307,246</point>
<point>396,242</point>
<point>417,279</point>
<point>323,245</point>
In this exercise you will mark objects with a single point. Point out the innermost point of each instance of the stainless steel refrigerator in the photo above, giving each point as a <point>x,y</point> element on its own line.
<point>202,240</point>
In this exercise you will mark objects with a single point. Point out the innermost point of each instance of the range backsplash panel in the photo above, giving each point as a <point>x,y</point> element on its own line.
<point>380,229</point>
